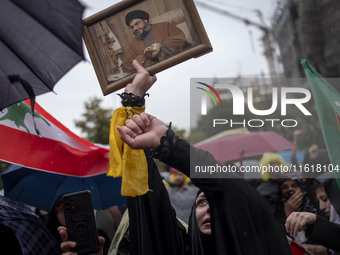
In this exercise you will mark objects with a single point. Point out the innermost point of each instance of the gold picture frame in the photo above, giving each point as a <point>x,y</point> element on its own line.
<point>108,38</point>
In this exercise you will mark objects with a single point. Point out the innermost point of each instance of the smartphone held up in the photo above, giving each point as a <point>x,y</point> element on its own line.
<point>80,221</point>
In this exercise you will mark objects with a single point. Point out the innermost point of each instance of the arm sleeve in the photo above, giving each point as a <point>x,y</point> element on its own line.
<point>325,233</point>
<point>154,228</point>
<point>185,157</point>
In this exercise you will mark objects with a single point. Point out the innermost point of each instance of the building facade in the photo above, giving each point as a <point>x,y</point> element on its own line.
<point>308,29</point>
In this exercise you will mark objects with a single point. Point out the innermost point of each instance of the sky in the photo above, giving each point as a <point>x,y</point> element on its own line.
<point>237,50</point>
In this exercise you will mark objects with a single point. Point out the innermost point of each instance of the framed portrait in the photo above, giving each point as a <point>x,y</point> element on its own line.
<point>157,33</point>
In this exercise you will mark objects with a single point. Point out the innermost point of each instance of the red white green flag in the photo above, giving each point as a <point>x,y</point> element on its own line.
<point>56,150</point>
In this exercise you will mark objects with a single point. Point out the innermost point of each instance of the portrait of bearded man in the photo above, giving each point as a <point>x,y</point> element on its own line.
<point>152,43</point>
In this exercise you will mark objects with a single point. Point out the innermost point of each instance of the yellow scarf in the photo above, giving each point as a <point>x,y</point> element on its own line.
<point>126,162</point>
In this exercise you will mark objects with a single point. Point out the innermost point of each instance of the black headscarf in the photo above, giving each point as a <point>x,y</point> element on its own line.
<point>200,243</point>
<point>309,203</point>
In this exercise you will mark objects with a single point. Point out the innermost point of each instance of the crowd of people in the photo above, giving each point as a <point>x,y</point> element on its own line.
<point>208,215</point>
<point>179,215</point>
<point>227,215</point>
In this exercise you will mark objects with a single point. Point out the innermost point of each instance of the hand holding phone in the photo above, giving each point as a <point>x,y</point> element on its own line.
<point>80,222</point>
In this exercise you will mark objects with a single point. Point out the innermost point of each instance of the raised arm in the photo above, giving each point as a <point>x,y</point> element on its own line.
<point>142,81</point>
<point>143,131</point>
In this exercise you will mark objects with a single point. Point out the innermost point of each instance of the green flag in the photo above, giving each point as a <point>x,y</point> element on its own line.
<point>327,102</point>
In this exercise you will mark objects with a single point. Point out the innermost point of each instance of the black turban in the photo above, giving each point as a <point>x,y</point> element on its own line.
<point>137,14</point>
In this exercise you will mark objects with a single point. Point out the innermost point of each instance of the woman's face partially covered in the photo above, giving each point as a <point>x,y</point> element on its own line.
<point>203,214</point>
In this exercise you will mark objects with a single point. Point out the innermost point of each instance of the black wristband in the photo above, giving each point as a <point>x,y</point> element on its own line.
<point>129,99</point>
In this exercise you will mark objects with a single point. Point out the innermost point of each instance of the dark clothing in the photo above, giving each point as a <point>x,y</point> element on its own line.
<point>332,189</point>
<point>154,229</point>
<point>172,39</point>
<point>18,219</point>
<point>269,190</point>
<point>240,221</point>
<point>9,243</point>
<point>52,225</point>
<point>325,233</point>
<point>107,241</point>
<point>309,203</point>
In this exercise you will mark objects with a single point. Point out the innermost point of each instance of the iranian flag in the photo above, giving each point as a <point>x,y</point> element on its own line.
<point>56,150</point>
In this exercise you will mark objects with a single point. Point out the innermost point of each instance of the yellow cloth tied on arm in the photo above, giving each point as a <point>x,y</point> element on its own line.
<point>126,162</point>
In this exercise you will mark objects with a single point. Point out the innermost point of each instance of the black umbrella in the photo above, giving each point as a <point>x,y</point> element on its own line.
<point>40,40</point>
